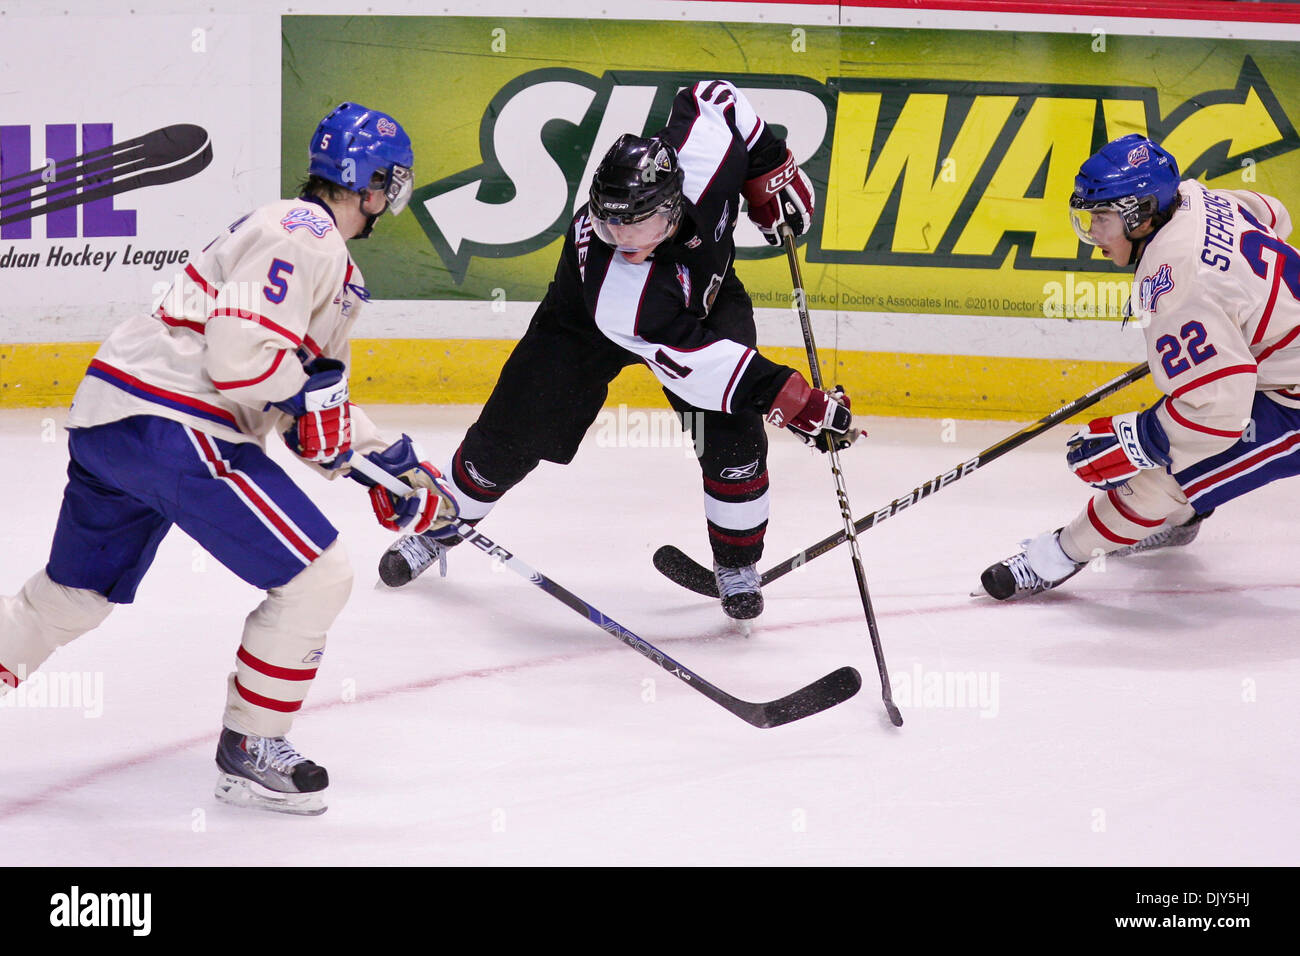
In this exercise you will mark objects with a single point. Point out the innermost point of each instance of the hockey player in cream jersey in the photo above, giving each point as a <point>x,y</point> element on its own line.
<point>168,427</point>
<point>1217,289</point>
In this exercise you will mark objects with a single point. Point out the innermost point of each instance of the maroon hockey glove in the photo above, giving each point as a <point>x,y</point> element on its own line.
<point>808,412</point>
<point>783,195</point>
<point>323,416</point>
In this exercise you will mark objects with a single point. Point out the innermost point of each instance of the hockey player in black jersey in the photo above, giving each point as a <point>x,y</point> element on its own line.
<point>646,275</point>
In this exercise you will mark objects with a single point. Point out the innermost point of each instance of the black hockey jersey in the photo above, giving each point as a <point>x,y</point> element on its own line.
<point>656,309</point>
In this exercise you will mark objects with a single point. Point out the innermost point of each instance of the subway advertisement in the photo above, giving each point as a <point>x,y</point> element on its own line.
<point>942,159</point>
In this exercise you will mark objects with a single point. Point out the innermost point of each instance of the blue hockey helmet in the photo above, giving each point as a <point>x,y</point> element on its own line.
<point>1131,177</point>
<point>359,148</point>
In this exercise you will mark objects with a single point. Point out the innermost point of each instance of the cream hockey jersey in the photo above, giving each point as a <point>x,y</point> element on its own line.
<point>273,291</point>
<point>1218,292</point>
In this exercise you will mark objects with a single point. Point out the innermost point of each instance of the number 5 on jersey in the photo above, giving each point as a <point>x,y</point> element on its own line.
<point>279,285</point>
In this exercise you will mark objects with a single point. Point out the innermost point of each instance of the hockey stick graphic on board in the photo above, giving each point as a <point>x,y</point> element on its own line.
<point>841,493</point>
<point>162,156</point>
<point>834,688</point>
<point>682,569</point>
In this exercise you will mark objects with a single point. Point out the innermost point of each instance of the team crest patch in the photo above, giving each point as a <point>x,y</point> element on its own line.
<point>1138,155</point>
<point>306,219</point>
<point>684,280</point>
<point>386,127</point>
<point>1153,287</point>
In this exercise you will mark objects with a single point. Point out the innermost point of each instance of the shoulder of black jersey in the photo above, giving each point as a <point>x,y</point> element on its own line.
<point>686,111</point>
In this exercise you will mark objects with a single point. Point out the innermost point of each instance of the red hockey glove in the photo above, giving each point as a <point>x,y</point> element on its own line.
<point>783,195</point>
<point>430,504</point>
<point>323,420</point>
<point>808,412</point>
<point>1107,452</point>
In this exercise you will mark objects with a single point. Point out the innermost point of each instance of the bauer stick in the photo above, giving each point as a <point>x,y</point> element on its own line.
<point>814,370</point>
<point>834,688</point>
<point>682,569</point>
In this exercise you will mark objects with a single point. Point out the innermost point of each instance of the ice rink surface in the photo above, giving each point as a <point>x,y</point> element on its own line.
<point>1144,714</point>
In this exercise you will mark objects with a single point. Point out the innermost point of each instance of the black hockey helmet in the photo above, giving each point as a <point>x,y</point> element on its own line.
<point>638,178</point>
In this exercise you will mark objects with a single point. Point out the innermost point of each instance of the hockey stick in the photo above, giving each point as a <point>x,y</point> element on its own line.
<point>846,512</point>
<point>161,156</point>
<point>680,568</point>
<point>836,687</point>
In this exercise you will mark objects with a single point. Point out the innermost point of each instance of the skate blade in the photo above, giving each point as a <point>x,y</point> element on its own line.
<point>744,626</point>
<point>242,792</point>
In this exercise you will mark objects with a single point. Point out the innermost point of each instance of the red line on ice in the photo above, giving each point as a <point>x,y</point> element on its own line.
<point>71,785</point>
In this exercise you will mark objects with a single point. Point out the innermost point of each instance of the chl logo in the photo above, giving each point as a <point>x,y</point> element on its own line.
<point>64,179</point>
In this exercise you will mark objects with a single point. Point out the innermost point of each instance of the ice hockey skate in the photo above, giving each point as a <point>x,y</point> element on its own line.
<point>1040,566</point>
<point>740,590</point>
<point>1175,537</point>
<point>413,554</point>
<point>267,773</point>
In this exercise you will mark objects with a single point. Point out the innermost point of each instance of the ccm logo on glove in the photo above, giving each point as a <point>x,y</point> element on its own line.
<point>784,194</point>
<point>1107,452</point>
<point>322,416</point>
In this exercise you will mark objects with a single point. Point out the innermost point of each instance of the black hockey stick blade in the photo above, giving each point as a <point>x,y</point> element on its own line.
<point>680,568</point>
<point>835,688</point>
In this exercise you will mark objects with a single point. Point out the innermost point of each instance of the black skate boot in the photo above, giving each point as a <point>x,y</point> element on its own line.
<point>267,773</point>
<point>1175,537</point>
<point>739,588</point>
<point>1019,576</point>
<point>412,554</point>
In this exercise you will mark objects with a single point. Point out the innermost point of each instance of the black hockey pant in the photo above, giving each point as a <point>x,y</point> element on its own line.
<point>550,391</point>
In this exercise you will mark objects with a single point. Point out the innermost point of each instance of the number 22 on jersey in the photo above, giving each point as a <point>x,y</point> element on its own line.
<point>1171,349</point>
